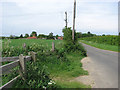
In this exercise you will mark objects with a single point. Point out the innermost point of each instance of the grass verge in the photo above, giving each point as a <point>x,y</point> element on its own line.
<point>101,46</point>
<point>65,73</point>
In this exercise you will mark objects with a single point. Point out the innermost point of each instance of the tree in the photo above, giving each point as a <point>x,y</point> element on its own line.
<point>103,35</point>
<point>41,36</point>
<point>50,36</point>
<point>71,45</point>
<point>88,32</point>
<point>21,36</point>
<point>11,37</point>
<point>56,36</point>
<point>33,34</point>
<point>26,35</point>
<point>67,33</point>
<point>79,34</point>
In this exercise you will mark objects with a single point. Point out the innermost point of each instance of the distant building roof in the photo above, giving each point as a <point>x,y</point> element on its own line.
<point>32,37</point>
<point>60,38</point>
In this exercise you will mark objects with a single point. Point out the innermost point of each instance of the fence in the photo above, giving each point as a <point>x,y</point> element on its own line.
<point>17,61</point>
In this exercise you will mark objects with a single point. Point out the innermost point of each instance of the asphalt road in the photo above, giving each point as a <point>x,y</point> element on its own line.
<point>105,67</point>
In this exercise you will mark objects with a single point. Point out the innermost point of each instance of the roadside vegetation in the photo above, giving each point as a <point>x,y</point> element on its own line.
<point>53,69</point>
<point>103,42</point>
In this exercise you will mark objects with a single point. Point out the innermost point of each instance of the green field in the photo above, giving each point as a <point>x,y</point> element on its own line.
<point>59,66</point>
<point>14,47</point>
<point>20,42</point>
<point>109,39</point>
<point>103,42</point>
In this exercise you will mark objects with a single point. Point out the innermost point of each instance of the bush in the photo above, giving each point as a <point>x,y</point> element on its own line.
<point>37,76</point>
<point>69,44</point>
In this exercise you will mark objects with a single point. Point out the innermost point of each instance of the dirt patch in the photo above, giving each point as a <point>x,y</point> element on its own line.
<point>87,79</point>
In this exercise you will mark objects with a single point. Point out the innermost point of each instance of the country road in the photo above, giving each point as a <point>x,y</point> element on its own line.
<point>104,67</point>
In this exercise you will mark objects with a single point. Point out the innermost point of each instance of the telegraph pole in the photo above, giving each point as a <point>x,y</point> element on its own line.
<point>74,15</point>
<point>66,19</point>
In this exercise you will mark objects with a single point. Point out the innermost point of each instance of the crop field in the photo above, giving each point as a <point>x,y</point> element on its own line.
<point>15,47</point>
<point>111,40</point>
<point>58,67</point>
<point>103,42</point>
<point>20,42</point>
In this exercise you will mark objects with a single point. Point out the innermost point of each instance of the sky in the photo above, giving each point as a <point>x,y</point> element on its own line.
<point>45,16</point>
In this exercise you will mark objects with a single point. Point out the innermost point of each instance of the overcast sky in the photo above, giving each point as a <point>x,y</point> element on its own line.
<point>45,16</point>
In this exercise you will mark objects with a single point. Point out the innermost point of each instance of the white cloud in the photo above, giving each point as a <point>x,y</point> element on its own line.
<point>48,15</point>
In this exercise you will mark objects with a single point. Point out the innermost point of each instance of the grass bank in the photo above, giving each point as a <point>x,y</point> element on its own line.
<point>65,78</point>
<point>101,46</point>
<point>64,72</point>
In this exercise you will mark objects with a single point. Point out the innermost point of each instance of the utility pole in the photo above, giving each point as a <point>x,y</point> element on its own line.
<point>66,19</point>
<point>74,15</point>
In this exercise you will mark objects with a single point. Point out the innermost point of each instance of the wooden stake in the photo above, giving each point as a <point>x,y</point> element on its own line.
<point>33,55</point>
<point>53,46</point>
<point>22,66</point>
<point>22,63</point>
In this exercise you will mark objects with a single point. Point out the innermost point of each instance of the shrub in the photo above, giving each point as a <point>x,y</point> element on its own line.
<point>69,44</point>
<point>37,76</point>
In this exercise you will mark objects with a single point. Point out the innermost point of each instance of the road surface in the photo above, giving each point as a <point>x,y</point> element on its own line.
<point>104,67</point>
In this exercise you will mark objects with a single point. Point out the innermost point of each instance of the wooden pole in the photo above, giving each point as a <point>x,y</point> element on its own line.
<point>66,19</point>
<point>33,54</point>
<point>22,70</point>
<point>53,46</point>
<point>22,63</point>
<point>74,15</point>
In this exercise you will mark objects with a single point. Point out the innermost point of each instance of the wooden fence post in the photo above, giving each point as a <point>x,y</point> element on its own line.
<point>53,46</point>
<point>29,53</point>
<point>22,66</point>
<point>24,46</point>
<point>33,54</point>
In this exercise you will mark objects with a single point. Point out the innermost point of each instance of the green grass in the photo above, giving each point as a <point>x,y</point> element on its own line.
<point>61,71</point>
<point>70,69</point>
<point>101,46</point>
<point>73,84</point>
<point>64,74</point>
<point>20,42</point>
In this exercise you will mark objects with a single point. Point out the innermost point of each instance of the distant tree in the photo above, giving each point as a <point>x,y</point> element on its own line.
<point>103,35</point>
<point>41,36</point>
<point>56,36</point>
<point>88,32</point>
<point>84,35</point>
<point>79,34</point>
<point>11,37</point>
<point>26,36</point>
<point>16,37</point>
<point>33,34</point>
<point>21,36</point>
<point>50,36</point>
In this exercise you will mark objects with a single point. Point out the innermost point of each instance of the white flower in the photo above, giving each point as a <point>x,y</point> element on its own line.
<point>44,87</point>
<point>49,83</point>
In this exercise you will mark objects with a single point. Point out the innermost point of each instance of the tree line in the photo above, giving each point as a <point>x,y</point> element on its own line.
<point>33,34</point>
<point>50,36</point>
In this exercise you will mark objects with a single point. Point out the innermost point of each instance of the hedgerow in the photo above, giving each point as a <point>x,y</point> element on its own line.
<point>110,39</point>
